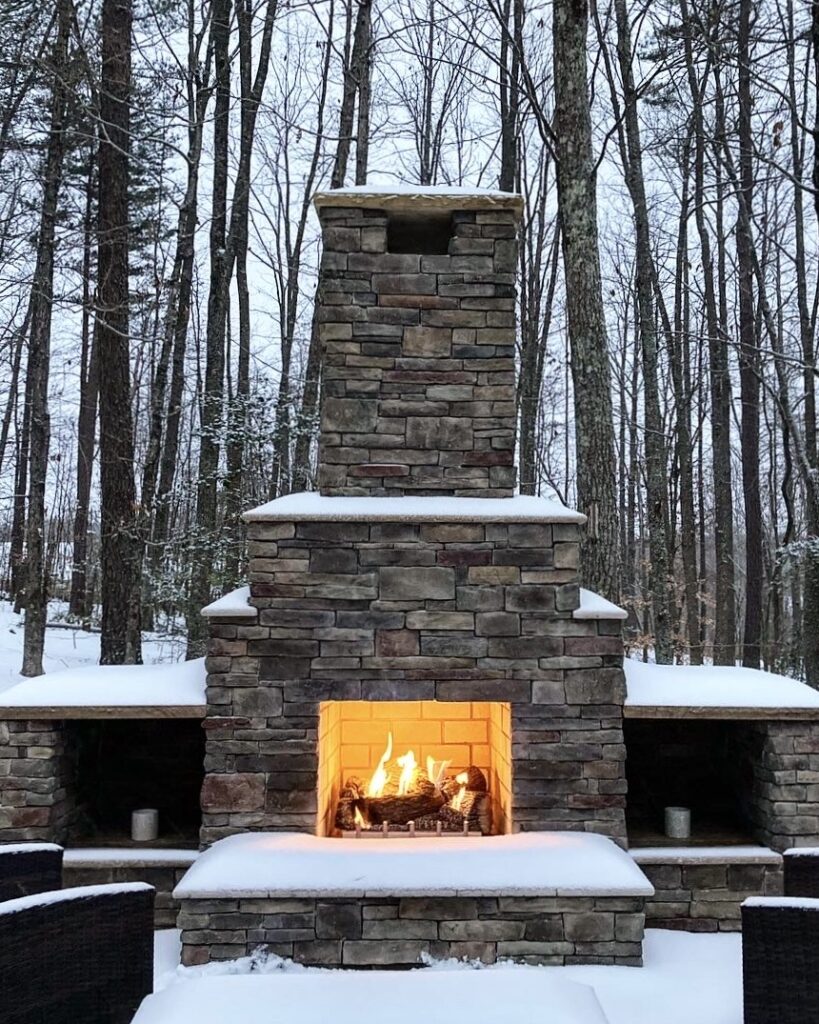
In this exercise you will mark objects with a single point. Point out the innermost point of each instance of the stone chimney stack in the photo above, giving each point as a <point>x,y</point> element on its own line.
<point>417,324</point>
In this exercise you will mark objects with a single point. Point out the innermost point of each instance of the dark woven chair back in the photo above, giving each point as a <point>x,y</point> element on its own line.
<point>802,873</point>
<point>780,962</point>
<point>28,868</point>
<point>78,956</point>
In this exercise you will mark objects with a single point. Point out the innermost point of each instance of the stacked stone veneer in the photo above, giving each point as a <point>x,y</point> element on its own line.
<point>36,778</point>
<point>413,611</point>
<point>373,932</point>
<point>779,781</point>
<point>706,897</point>
<point>419,376</point>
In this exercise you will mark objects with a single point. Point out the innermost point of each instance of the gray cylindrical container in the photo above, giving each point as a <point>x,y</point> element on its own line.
<point>145,825</point>
<point>678,822</point>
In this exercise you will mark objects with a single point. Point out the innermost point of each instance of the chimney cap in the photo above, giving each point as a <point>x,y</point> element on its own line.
<point>417,198</point>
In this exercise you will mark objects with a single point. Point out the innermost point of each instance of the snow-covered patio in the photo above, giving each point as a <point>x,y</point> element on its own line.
<point>687,979</point>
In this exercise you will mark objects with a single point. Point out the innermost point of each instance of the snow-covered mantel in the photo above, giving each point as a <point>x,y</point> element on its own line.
<point>309,505</point>
<point>173,690</point>
<point>284,864</point>
<point>593,606</point>
<point>712,692</point>
<point>419,199</point>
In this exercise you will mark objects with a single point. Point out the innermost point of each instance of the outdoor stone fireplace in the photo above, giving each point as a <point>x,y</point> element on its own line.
<point>415,596</point>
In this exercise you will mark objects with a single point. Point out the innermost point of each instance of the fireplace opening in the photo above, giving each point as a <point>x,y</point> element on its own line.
<point>414,767</point>
<point>702,765</point>
<point>121,766</point>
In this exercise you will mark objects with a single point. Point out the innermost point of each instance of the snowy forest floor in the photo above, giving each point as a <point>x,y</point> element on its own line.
<point>68,646</point>
<point>686,978</point>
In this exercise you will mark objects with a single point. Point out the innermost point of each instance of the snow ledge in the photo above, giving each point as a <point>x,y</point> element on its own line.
<point>233,605</point>
<point>308,505</point>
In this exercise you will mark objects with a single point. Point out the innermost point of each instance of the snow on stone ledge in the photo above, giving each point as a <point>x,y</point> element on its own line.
<point>234,605</point>
<point>593,606</point>
<point>175,684</point>
<point>309,505</point>
<point>399,997</point>
<point>802,851</point>
<point>705,855</point>
<point>712,686</point>
<point>80,892</point>
<point>118,857</point>
<point>529,863</point>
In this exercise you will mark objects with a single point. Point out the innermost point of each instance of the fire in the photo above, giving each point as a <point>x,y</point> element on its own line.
<point>359,819</point>
<point>375,787</point>
<point>409,766</point>
<point>457,801</point>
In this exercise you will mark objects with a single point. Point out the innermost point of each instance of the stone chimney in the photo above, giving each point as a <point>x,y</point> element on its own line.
<point>417,324</point>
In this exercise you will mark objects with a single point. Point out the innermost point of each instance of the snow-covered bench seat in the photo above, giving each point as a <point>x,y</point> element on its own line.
<point>28,868</point>
<point>550,897</point>
<point>76,955</point>
<point>434,997</point>
<point>780,960</point>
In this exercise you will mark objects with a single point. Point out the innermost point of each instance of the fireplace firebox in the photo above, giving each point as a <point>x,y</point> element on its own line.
<point>414,766</point>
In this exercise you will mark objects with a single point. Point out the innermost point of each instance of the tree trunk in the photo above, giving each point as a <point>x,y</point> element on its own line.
<point>748,357</point>
<point>120,641</point>
<point>78,604</point>
<point>594,428</point>
<point>212,398</point>
<point>656,475</point>
<point>39,355</point>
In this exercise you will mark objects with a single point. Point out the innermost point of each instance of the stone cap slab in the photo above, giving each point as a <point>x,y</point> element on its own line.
<point>687,856</point>
<point>283,864</point>
<point>233,605</point>
<point>127,857</point>
<point>419,198</point>
<point>309,505</point>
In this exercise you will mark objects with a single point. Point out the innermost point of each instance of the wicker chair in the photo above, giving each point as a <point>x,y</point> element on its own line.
<point>780,960</point>
<point>28,868</point>
<point>802,872</point>
<point>82,954</point>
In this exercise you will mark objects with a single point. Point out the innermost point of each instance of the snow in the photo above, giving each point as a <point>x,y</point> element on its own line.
<point>67,647</point>
<point>686,978</point>
<point>308,505</point>
<point>29,847</point>
<point>167,954</point>
<point>400,998</point>
<point>802,851</point>
<point>789,902</point>
<point>114,857</point>
<point>528,863</point>
<point>705,855</point>
<point>234,605</point>
<point>593,606</point>
<point>181,684</point>
<point>46,899</point>
<point>712,686</point>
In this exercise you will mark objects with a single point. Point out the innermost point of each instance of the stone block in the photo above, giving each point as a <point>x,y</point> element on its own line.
<point>444,908</point>
<point>440,434</point>
<point>338,920</point>
<point>350,415</point>
<point>383,952</point>
<point>410,584</point>
<point>396,643</point>
<point>241,791</point>
<point>428,342</point>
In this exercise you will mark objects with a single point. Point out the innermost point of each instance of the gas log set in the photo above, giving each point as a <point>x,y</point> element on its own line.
<point>406,797</point>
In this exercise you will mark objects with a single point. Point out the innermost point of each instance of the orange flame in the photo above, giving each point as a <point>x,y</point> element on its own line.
<point>409,766</point>
<point>375,787</point>
<point>458,800</point>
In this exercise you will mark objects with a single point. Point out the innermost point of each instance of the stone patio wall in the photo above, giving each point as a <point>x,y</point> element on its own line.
<point>376,932</point>
<point>36,774</point>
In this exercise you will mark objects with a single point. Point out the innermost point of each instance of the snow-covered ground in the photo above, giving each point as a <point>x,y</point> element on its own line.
<point>67,647</point>
<point>687,979</point>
